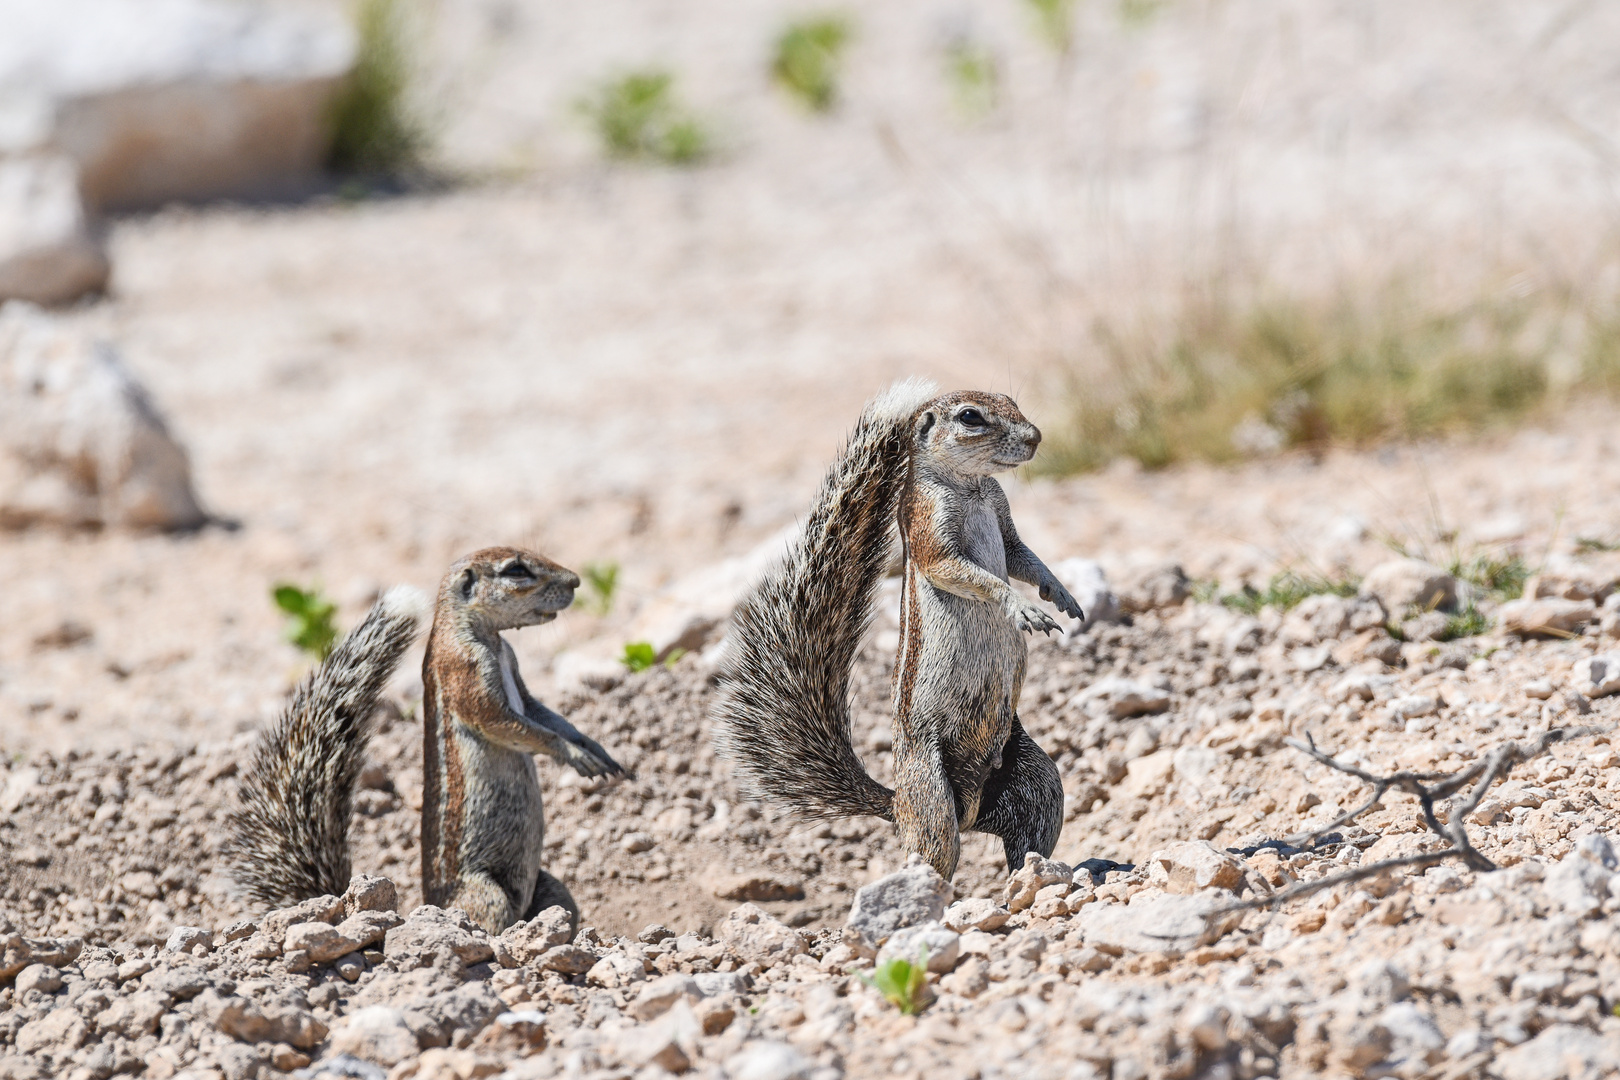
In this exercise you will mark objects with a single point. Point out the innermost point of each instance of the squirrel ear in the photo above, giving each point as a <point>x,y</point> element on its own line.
<point>925,422</point>
<point>468,579</point>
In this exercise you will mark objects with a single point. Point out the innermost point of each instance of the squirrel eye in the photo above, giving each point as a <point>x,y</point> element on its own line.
<point>971,417</point>
<point>515,570</point>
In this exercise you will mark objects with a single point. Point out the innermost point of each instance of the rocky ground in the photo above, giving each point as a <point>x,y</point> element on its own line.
<point>720,935</point>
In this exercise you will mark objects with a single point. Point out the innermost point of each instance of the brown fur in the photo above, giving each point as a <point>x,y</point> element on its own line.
<point>962,760</point>
<point>483,824</point>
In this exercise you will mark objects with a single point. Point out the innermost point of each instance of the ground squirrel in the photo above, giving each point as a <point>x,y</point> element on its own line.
<point>482,823</point>
<point>962,759</point>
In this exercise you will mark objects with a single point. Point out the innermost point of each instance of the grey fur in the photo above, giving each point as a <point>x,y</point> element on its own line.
<point>289,835</point>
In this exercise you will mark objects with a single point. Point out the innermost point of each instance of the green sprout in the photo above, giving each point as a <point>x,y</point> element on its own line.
<point>1055,21</point>
<point>310,628</point>
<point>637,116</point>
<point>1285,591</point>
<point>901,981</point>
<point>372,129</point>
<point>809,54</point>
<point>601,581</point>
<point>974,75</point>
<point>640,655</point>
<point>1502,577</point>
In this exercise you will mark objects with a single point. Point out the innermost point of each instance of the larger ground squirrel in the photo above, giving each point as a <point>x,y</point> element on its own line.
<point>483,825</point>
<point>962,760</point>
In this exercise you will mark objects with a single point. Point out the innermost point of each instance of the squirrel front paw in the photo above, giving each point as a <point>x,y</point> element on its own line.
<point>1030,618</point>
<point>1055,594</point>
<point>592,761</point>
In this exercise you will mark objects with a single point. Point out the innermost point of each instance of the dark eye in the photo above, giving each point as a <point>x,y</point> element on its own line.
<point>515,570</point>
<point>971,417</point>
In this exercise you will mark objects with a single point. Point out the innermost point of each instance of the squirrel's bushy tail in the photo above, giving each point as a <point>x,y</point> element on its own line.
<point>782,711</point>
<point>289,835</point>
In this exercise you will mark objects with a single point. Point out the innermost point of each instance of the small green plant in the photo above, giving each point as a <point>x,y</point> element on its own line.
<point>1503,577</point>
<point>974,75</point>
<point>601,583</point>
<point>1239,370</point>
<point>372,128</point>
<point>637,116</point>
<point>809,59</point>
<point>1468,622</point>
<point>901,981</point>
<point>311,627</point>
<point>1587,545</point>
<point>640,656</point>
<point>1139,12</point>
<point>1285,590</point>
<point>1054,19</point>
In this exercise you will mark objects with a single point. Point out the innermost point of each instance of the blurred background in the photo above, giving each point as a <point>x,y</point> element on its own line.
<point>329,294</point>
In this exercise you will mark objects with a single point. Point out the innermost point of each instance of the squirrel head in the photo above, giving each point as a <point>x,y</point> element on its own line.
<point>975,433</point>
<point>506,588</point>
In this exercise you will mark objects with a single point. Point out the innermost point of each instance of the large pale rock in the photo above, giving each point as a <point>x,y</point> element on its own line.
<point>1158,922</point>
<point>47,253</point>
<point>908,897</point>
<point>375,1033</point>
<point>1088,584</point>
<point>688,613</point>
<point>434,935</point>
<point>1190,866</point>
<point>1546,617</point>
<point>524,942</point>
<point>158,100</point>
<point>1024,884</point>
<point>1405,584</point>
<point>18,952</point>
<point>1580,882</point>
<point>755,935</point>
<point>1118,697</point>
<point>1154,587</point>
<point>1596,676</point>
<point>939,945</point>
<point>80,441</point>
<point>1559,1051</point>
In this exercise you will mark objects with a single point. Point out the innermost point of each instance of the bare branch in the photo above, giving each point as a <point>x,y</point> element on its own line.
<point>1428,788</point>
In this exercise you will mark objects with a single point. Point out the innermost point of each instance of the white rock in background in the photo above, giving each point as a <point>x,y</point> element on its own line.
<point>688,613</point>
<point>47,254</point>
<point>1119,697</point>
<point>1596,676</point>
<point>1404,584</point>
<point>1546,616</point>
<point>905,898</point>
<point>171,99</point>
<point>1157,586</point>
<point>80,440</point>
<point>1086,582</point>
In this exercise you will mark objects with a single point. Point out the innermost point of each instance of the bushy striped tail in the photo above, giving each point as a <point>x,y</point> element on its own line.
<point>289,835</point>
<point>782,711</point>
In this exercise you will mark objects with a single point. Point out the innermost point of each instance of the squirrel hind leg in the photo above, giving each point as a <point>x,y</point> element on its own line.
<point>548,893</point>
<point>925,811</point>
<point>1023,800</point>
<point>483,899</point>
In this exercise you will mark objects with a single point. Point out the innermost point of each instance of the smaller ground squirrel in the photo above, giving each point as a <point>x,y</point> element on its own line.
<point>962,759</point>
<point>483,828</point>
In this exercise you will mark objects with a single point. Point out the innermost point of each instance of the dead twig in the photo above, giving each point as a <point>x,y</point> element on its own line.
<point>1428,788</point>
